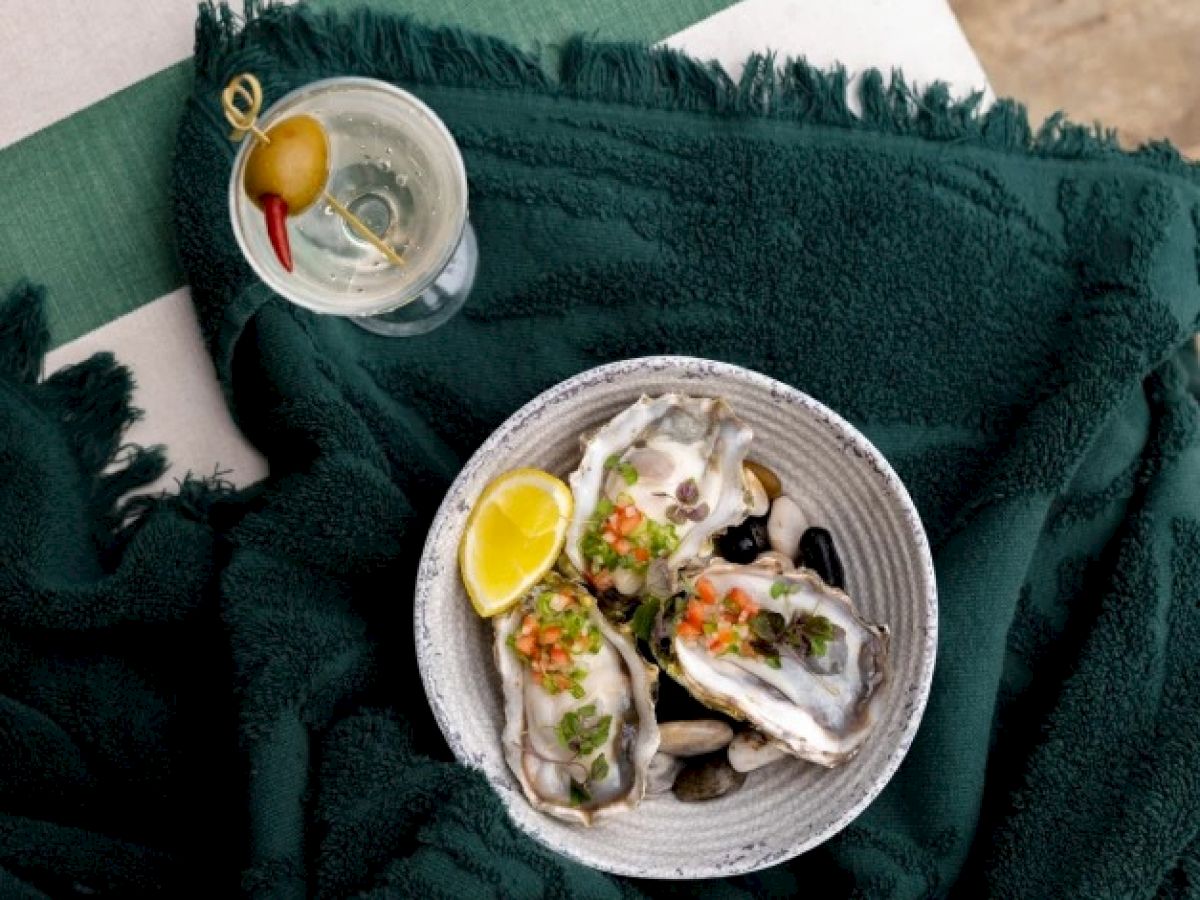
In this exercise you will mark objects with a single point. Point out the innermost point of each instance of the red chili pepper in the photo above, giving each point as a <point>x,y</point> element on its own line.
<point>276,209</point>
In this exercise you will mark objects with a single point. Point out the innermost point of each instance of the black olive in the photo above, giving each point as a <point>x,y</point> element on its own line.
<point>743,543</point>
<point>818,553</point>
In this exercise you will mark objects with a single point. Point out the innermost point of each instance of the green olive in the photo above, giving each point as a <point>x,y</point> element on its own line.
<point>294,165</point>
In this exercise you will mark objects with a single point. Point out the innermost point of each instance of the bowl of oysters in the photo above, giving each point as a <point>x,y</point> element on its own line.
<point>681,615</point>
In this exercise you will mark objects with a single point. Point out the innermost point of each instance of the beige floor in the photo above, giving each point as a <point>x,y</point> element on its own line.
<point>1130,64</point>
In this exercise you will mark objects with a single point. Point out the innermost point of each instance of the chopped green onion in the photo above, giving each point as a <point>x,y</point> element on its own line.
<point>663,539</point>
<point>779,588</point>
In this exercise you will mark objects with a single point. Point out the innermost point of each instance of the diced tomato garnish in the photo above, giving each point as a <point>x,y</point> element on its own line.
<point>695,612</point>
<point>611,537</point>
<point>550,634</point>
<point>641,554</point>
<point>622,546</point>
<point>740,597</point>
<point>559,657</point>
<point>529,624</point>
<point>706,591</point>
<point>526,644</point>
<point>630,521</point>
<point>722,639</point>
<point>614,521</point>
<point>688,630</point>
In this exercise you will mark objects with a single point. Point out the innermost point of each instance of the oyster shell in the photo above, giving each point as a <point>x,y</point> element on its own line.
<point>579,728</point>
<point>776,647</point>
<point>655,484</point>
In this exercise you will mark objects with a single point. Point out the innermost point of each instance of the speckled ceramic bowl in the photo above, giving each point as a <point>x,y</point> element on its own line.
<point>783,809</point>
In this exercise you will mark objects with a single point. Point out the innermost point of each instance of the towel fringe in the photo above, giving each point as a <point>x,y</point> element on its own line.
<point>137,467</point>
<point>379,44</point>
<point>92,403</point>
<point>92,400</point>
<point>24,336</point>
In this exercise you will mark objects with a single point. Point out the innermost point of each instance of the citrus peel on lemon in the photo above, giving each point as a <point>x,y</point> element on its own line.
<point>512,538</point>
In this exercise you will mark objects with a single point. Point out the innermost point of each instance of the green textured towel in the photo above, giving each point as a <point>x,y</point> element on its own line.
<point>217,691</point>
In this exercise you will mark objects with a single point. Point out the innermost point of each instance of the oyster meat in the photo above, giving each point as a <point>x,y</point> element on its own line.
<point>777,647</point>
<point>655,485</point>
<point>579,729</point>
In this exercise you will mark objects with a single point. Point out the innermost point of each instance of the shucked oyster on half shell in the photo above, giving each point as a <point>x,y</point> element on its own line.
<point>775,646</point>
<point>579,730</point>
<point>655,485</point>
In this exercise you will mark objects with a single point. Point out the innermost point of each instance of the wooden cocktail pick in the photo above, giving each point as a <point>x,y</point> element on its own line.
<point>288,167</point>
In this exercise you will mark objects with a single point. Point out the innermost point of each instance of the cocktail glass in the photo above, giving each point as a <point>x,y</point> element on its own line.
<point>394,165</point>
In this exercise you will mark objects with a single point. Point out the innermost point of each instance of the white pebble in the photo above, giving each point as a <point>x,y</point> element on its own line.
<point>785,526</point>
<point>750,750</point>
<point>693,737</point>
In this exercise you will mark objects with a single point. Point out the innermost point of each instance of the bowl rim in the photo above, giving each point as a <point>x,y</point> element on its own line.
<point>453,506</point>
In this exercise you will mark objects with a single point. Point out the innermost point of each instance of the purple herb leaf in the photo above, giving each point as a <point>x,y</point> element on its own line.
<point>688,492</point>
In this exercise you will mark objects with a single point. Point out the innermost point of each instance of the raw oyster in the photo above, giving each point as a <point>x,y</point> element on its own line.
<point>579,728</point>
<point>776,647</point>
<point>661,774</point>
<point>654,487</point>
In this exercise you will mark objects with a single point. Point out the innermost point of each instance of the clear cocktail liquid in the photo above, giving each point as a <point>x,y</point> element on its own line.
<point>394,165</point>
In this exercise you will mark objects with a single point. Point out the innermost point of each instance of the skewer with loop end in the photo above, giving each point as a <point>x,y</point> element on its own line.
<point>244,119</point>
<point>248,88</point>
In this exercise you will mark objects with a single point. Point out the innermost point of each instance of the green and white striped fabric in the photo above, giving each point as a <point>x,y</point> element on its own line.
<point>87,210</point>
<point>89,100</point>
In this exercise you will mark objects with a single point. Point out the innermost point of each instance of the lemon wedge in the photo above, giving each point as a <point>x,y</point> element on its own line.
<point>513,536</point>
